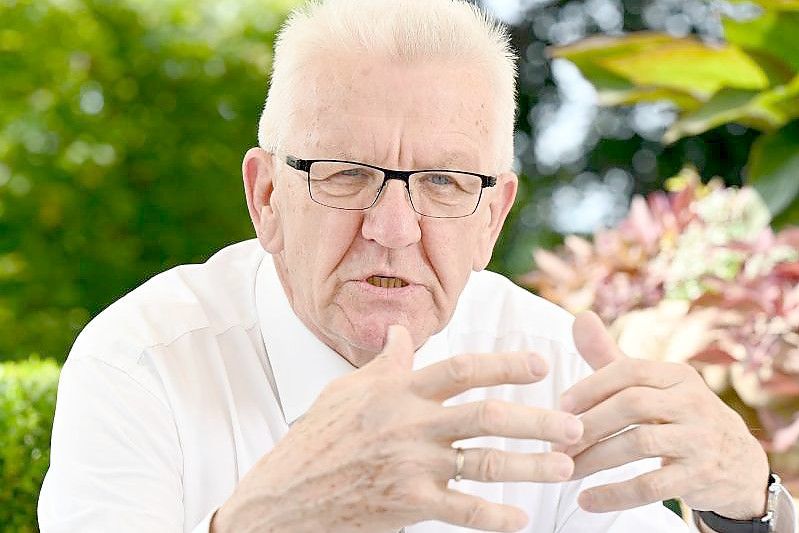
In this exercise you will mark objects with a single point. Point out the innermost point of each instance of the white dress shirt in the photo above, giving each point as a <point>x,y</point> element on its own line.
<point>171,395</point>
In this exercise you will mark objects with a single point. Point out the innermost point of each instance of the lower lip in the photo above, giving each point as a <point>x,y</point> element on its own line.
<point>397,292</point>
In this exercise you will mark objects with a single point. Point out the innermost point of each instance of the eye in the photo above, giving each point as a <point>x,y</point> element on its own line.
<point>353,172</point>
<point>439,179</point>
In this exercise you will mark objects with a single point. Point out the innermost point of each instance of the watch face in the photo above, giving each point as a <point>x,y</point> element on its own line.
<point>783,510</point>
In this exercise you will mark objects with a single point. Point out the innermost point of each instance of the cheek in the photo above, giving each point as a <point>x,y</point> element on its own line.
<point>317,239</point>
<point>450,246</point>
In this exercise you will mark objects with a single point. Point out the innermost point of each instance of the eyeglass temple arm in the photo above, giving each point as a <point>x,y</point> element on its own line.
<point>300,164</point>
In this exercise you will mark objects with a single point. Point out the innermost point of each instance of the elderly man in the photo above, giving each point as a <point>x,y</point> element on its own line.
<point>353,369</point>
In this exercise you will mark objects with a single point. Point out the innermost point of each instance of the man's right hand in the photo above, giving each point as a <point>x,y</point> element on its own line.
<point>374,452</point>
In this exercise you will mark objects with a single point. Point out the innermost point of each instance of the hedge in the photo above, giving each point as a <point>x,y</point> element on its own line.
<point>27,405</point>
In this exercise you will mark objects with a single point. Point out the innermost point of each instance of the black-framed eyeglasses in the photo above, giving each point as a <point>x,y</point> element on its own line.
<point>357,186</point>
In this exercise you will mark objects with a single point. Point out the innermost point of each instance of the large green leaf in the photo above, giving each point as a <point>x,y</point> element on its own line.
<point>774,167</point>
<point>683,100</point>
<point>782,100</point>
<point>774,34</point>
<point>788,217</point>
<point>598,47</point>
<point>727,105</point>
<point>776,5</point>
<point>648,66</point>
<point>765,111</point>
<point>587,53</point>
<point>689,65</point>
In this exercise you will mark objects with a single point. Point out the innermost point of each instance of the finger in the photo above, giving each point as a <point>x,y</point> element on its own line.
<point>631,445</point>
<point>593,341</point>
<point>506,419</point>
<point>468,371</point>
<point>470,511</point>
<point>635,405</point>
<point>493,465</point>
<point>618,376</point>
<point>398,348</point>
<point>662,484</point>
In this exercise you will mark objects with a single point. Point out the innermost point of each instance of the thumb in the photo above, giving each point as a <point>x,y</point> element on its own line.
<point>398,347</point>
<point>593,340</point>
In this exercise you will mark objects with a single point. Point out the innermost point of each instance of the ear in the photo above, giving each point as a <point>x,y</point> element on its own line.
<point>258,170</point>
<point>499,206</point>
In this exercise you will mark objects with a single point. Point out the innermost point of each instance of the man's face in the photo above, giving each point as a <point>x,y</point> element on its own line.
<point>398,117</point>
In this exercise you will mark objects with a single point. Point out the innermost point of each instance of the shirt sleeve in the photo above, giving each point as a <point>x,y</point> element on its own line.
<point>116,461</point>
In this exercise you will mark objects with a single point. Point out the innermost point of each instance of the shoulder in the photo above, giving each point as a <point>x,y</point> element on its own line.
<point>212,296</point>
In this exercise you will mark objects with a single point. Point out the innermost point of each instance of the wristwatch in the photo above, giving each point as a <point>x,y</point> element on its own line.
<point>779,509</point>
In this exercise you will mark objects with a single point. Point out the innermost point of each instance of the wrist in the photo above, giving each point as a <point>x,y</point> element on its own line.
<point>779,515</point>
<point>754,507</point>
<point>753,501</point>
<point>745,512</point>
<point>247,512</point>
<point>236,516</point>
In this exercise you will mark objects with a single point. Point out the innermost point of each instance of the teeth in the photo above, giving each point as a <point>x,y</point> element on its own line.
<point>385,282</point>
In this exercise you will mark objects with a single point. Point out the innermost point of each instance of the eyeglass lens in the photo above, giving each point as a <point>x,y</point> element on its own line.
<point>439,193</point>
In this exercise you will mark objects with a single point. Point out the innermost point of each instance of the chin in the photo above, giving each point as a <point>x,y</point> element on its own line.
<point>367,339</point>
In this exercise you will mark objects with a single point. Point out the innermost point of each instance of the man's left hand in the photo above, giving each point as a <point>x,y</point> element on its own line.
<point>710,459</point>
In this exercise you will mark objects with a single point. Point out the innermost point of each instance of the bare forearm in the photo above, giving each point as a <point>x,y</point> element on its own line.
<point>253,511</point>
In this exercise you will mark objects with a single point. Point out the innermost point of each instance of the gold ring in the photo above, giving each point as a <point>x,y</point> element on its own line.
<point>460,459</point>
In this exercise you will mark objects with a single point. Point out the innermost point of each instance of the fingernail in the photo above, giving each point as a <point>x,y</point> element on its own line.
<point>536,365</point>
<point>574,428</point>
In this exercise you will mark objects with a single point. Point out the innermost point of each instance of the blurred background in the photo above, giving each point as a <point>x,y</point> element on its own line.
<point>123,124</point>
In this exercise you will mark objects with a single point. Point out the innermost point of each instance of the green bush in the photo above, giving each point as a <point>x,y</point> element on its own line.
<point>27,405</point>
<point>122,128</point>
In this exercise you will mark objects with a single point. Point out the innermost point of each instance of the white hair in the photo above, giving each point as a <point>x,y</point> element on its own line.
<point>399,30</point>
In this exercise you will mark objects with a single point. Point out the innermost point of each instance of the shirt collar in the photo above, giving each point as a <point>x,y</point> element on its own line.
<point>301,363</point>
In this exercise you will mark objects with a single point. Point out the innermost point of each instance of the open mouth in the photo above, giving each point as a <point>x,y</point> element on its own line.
<point>386,282</point>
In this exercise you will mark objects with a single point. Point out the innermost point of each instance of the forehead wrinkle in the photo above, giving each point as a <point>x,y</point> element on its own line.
<point>440,160</point>
<point>459,150</point>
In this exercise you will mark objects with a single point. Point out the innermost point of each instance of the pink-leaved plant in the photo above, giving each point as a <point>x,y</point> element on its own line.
<point>697,275</point>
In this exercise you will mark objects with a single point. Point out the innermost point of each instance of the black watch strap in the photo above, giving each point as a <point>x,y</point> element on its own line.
<point>722,524</point>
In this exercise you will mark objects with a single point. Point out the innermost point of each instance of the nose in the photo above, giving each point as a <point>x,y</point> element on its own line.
<point>392,222</point>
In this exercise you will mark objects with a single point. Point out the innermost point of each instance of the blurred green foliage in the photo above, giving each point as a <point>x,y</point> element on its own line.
<point>752,80</point>
<point>123,123</point>
<point>122,128</point>
<point>27,405</point>
<point>623,143</point>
